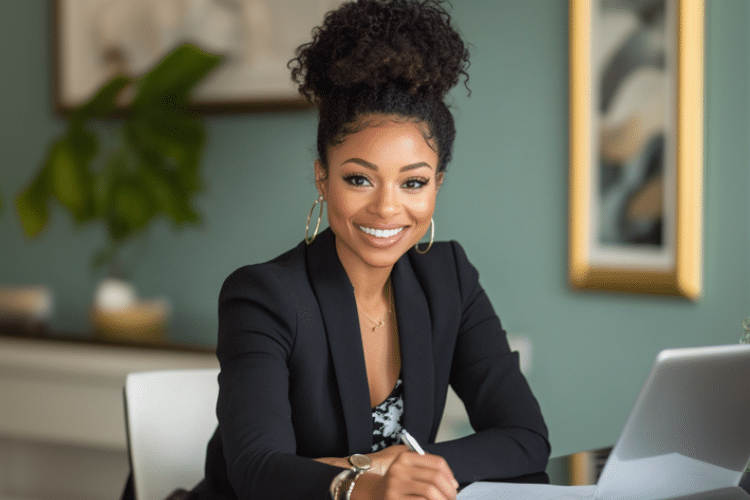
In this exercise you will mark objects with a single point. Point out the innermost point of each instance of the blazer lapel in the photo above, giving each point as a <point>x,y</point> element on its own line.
<point>415,332</point>
<point>335,296</point>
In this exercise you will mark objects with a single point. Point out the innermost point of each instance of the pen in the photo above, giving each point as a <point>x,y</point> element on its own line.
<point>410,442</point>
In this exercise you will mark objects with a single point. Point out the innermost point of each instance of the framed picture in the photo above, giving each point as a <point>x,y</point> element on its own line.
<point>636,145</point>
<point>95,39</point>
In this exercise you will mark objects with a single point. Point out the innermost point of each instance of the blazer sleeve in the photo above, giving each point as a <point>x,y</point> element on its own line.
<point>510,438</point>
<point>257,325</point>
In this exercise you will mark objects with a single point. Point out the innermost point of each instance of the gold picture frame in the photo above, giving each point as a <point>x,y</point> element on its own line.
<point>611,138</point>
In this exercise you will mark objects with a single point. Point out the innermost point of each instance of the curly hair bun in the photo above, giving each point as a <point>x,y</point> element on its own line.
<point>372,43</point>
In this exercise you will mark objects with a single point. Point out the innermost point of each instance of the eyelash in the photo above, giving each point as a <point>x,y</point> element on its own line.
<point>354,179</point>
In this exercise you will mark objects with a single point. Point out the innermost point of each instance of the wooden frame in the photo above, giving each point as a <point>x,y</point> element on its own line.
<point>93,39</point>
<point>585,467</point>
<point>599,257</point>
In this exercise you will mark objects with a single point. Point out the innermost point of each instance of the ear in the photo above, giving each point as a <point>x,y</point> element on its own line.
<point>438,181</point>
<point>321,179</point>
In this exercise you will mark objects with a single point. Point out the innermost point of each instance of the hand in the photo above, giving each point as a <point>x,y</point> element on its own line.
<point>412,476</point>
<point>382,460</point>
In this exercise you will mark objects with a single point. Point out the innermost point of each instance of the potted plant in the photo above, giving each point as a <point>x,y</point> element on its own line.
<point>148,167</point>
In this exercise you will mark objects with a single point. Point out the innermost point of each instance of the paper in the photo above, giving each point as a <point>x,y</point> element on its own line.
<point>511,491</point>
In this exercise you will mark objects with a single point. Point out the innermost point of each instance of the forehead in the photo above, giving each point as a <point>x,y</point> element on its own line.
<point>387,140</point>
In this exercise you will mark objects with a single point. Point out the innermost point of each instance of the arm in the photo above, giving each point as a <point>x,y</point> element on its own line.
<point>257,325</point>
<point>511,437</point>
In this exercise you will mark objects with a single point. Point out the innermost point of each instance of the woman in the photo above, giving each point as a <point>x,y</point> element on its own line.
<point>332,348</point>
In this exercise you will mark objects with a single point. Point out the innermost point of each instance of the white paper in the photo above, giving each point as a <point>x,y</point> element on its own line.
<point>512,491</point>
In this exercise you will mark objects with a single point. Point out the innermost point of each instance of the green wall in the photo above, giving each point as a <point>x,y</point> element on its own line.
<point>505,200</point>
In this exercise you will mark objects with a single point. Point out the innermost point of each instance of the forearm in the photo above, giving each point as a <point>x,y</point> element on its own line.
<point>494,454</point>
<point>282,477</point>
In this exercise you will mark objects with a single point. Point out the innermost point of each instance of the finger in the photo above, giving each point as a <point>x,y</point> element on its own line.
<point>434,483</point>
<point>433,462</point>
<point>414,488</point>
<point>425,477</point>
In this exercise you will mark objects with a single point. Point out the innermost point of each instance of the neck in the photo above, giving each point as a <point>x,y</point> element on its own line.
<point>369,282</point>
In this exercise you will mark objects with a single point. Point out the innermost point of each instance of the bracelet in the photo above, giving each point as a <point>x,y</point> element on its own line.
<point>357,473</point>
<point>335,489</point>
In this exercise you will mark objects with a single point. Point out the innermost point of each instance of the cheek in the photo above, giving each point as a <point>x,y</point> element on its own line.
<point>424,207</point>
<point>341,207</point>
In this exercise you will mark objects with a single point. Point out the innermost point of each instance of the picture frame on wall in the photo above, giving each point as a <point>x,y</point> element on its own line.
<point>95,39</point>
<point>636,146</point>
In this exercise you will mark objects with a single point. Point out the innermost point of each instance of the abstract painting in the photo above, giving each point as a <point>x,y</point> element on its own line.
<point>636,145</point>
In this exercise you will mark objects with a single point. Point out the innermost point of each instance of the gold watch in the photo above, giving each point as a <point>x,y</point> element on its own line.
<point>360,462</point>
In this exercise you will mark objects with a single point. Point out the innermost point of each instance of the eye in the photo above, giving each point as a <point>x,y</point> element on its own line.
<point>357,180</point>
<point>416,183</point>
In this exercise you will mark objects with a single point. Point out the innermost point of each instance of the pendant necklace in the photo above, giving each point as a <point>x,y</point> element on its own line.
<point>378,324</point>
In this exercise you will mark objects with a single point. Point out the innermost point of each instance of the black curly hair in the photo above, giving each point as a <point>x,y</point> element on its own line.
<point>382,57</point>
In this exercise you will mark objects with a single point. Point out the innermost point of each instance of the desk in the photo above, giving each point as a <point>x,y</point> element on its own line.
<point>62,431</point>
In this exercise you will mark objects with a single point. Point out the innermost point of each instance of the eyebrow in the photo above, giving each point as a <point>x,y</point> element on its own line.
<point>372,166</point>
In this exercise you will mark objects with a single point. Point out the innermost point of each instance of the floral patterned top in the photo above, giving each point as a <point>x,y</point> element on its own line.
<point>386,419</point>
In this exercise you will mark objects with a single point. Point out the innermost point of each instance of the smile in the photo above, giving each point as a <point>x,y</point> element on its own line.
<point>381,233</point>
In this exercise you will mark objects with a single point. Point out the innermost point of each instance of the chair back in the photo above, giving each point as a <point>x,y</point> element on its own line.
<point>170,417</point>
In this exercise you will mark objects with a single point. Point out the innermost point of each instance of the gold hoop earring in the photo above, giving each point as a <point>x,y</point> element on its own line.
<point>320,200</point>
<point>432,238</point>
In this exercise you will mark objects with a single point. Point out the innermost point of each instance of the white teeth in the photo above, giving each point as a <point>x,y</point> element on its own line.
<point>381,233</point>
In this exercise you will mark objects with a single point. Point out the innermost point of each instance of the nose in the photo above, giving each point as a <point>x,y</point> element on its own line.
<point>385,202</point>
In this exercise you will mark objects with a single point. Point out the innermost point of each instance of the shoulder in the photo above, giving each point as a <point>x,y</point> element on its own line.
<point>278,273</point>
<point>262,298</point>
<point>445,271</point>
<point>443,256</point>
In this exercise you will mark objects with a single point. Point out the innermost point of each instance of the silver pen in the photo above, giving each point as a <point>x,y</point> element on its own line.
<point>410,442</point>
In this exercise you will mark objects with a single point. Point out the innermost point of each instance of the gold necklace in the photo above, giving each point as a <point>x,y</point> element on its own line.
<point>378,324</point>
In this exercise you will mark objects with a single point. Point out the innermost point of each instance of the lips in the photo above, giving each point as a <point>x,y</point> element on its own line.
<point>381,233</point>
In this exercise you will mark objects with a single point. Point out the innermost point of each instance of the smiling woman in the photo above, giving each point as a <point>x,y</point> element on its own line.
<point>332,349</point>
<point>380,187</point>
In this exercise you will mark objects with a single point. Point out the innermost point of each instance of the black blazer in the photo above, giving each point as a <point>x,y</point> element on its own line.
<point>293,384</point>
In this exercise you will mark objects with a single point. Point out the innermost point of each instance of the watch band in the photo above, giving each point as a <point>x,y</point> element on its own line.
<point>343,484</point>
<point>350,488</point>
<point>360,464</point>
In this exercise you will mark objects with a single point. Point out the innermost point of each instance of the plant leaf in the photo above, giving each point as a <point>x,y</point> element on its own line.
<point>132,208</point>
<point>169,83</point>
<point>70,180</point>
<point>173,147</point>
<point>31,205</point>
<point>103,102</point>
<point>170,198</point>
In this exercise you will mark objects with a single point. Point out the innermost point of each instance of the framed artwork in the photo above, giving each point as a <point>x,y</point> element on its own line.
<point>636,145</point>
<point>95,39</point>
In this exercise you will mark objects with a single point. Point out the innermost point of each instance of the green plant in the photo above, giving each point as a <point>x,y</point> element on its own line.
<point>148,168</point>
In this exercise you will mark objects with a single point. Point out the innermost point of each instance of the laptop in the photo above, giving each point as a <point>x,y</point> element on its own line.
<point>687,437</point>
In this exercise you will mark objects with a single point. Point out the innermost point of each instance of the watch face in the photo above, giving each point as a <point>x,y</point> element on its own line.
<point>360,461</point>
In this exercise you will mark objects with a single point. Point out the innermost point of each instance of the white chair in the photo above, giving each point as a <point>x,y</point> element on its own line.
<point>170,417</point>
